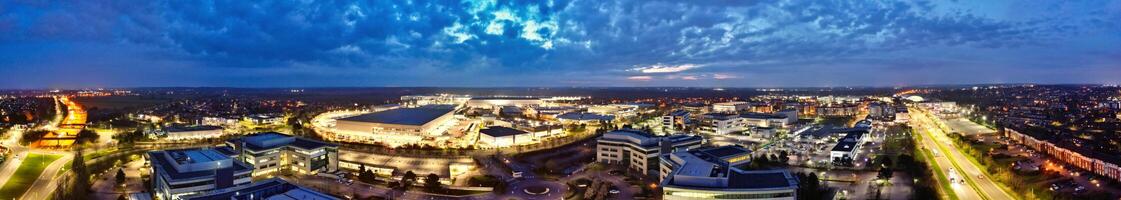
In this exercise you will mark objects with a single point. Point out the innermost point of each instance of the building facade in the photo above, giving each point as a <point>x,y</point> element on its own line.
<point>184,172</point>
<point>714,173</point>
<point>639,150</point>
<point>676,120</point>
<point>271,152</point>
<point>721,123</point>
<point>1070,156</point>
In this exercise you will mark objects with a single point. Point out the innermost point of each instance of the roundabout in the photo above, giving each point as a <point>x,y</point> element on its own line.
<point>537,189</point>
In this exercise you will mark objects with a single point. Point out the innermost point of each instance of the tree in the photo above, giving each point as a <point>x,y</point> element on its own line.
<point>86,135</point>
<point>82,177</point>
<point>885,173</point>
<point>408,179</point>
<point>367,176</point>
<point>809,186</point>
<point>120,178</point>
<point>432,181</point>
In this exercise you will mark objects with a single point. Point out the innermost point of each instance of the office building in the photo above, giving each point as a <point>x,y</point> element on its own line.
<point>192,132</point>
<point>183,172</point>
<point>270,189</point>
<point>721,123</point>
<point>730,107</point>
<point>715,173</point>
<point>676,120</point>
<point>639,150</point>
<point>765,120</point>
<point>271,152</point>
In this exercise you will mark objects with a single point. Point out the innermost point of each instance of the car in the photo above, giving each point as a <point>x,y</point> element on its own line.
<point>613,191</point>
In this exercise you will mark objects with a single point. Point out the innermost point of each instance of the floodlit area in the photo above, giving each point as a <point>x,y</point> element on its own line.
<point>455,132</point>
<point>445,167</point>
<point>966,127</point>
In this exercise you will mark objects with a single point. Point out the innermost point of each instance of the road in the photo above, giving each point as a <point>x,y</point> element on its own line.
<point>947,156</point>
<point>45,183</point>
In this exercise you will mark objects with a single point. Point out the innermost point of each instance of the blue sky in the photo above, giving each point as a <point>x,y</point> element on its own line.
<point>479,43</point>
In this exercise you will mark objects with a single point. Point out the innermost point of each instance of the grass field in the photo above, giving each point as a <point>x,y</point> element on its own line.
<point>25,175</point>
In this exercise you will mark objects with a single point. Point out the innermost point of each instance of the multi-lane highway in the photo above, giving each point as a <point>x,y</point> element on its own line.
<point>955,164</point>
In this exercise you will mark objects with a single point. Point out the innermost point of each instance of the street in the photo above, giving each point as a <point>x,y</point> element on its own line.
<point>948,157</point>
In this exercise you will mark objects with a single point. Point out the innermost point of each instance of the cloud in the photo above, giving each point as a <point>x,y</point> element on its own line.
<point>661,68</point>
<point>640,78</point>
<point>722,76</point>
<point>482,40</point>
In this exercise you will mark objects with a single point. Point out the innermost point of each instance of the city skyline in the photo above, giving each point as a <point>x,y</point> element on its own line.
<point>93,44</point>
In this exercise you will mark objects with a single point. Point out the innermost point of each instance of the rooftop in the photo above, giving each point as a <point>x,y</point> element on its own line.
<point>721,116</point>
<point>271,140</point>
<point>725,151</point>
<point>179,164</point>
<point>500,131</point>
<point>581,116</point>
<point>762,116</point>
<point>700,169</point>
<point>761,179</point>
<point>271,189</point>
<point>407,116</point>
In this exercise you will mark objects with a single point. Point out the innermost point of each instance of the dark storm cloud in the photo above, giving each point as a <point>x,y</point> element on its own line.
<point>706,43</point>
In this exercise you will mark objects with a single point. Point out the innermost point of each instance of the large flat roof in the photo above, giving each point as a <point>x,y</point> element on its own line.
<point>499,131</point>
<point>760,179</point>
<point>725,151</point>
<point>158,160</point>
<point>406,116</point>
<point>270,140</point>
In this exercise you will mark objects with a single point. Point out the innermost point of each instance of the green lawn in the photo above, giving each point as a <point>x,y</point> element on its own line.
<point>25,175</point>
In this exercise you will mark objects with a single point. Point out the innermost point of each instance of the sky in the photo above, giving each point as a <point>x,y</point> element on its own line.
<point>556,43</point>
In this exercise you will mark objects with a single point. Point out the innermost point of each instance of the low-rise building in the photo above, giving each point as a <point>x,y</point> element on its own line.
<point>1099,163</point>
<point>676,120</point>
<point>765,120</point>
<point>498,136</point>
<point>270,189</point>
<point>721,123</point>
<point>639,150</point>
<point>846,148</point>
<point>730,107</point>
<point>415,122</point>
<point>584,118</point>
<point>271,152</point>
<point>838,110</point>
<point>714,173</point>
<point>220,121</point>
<point>265,119</point>
<point>184,172</point>
<point>192,132</point>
